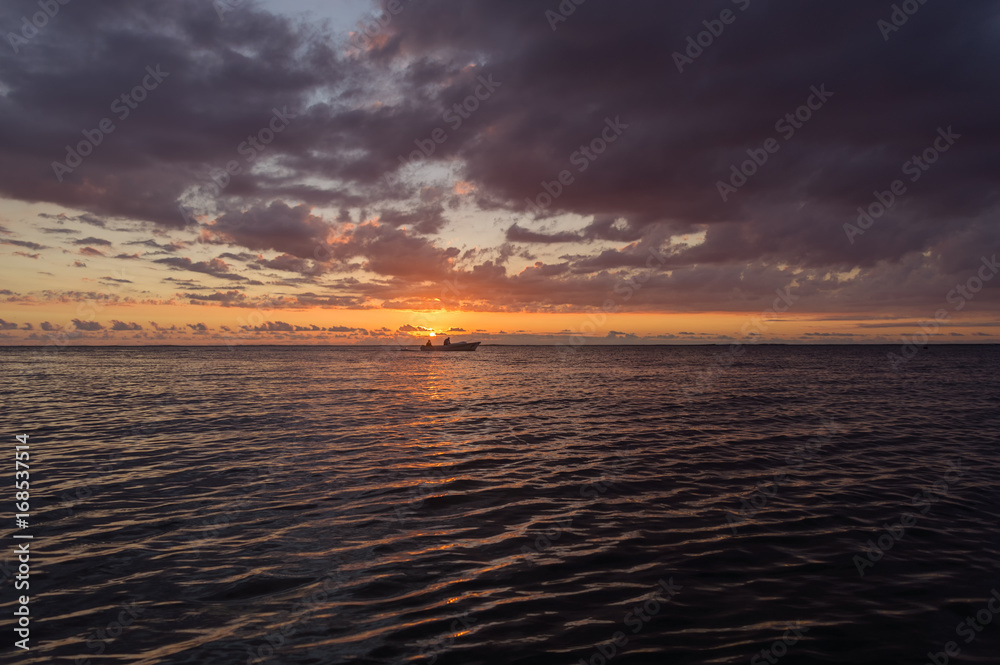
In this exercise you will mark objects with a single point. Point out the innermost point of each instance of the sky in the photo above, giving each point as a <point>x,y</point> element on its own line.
<point>355,172</point>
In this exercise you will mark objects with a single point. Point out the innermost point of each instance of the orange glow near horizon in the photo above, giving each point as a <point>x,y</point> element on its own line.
<point>94,323</point>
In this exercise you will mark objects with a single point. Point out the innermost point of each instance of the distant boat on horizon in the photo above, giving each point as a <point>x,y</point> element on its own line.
<point>460,346</point>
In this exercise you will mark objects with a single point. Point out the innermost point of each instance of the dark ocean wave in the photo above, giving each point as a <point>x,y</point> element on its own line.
<point>317,505</point>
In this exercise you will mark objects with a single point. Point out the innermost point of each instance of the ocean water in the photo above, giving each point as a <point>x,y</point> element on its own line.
<point>513,505</point>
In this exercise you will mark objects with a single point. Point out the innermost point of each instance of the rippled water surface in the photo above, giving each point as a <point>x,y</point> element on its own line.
<point>512,505</point>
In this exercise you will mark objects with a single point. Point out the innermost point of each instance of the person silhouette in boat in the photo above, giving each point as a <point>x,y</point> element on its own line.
<point>447,341</point>
<point>428,343</point>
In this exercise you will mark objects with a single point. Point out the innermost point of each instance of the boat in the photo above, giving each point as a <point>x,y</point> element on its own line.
<point>459,346</point>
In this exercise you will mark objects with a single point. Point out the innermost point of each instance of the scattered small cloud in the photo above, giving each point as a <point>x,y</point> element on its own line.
<point>24,243</point>
<point>216,267</point>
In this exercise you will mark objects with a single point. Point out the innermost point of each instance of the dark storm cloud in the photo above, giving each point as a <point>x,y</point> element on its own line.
<point>294,231</point>
<point>215,267</point>
<point>242,256</point>
<point>519,234</point>
<point>23,243</point>
<point>685,130</point>
<point>169,248</point>
<point>287,263</point>
<point>220,82</point>
<point>312,300</point>
<point>594,115</point>
<point>394,252</point>
<point>425,219</point>
<point>558,89</point>
<point>227,298</point>
<point>272,326</point>
<point>62,218</point>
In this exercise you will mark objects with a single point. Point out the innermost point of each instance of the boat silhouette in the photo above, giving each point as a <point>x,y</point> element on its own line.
<point>448,346</point>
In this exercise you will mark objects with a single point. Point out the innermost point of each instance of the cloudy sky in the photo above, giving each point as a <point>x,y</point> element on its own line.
<point>522,172</point>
